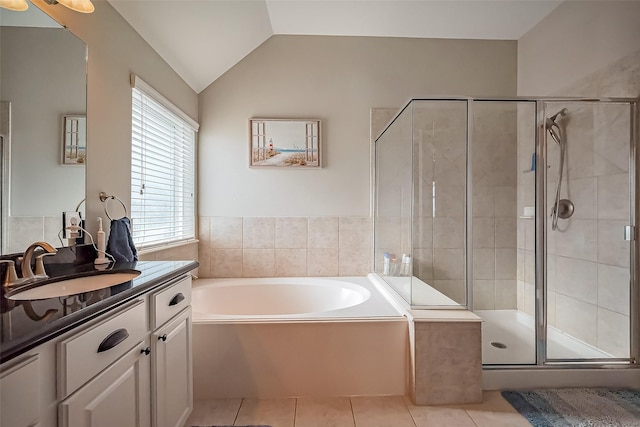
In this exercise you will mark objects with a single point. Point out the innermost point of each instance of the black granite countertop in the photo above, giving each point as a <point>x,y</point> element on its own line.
<point>27,324</point>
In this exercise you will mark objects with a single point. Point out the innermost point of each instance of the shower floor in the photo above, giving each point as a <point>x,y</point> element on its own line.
<point>515,330</point>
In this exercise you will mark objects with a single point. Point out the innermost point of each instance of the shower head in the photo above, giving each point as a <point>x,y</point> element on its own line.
<point>560,113</point>
<point>550,123</point>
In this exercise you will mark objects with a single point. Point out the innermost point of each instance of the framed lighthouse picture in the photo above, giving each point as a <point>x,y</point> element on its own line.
<point>284,143</point>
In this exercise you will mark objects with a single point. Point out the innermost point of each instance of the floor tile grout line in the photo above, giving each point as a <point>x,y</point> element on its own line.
<point>238,411</point>
<point>353,414</point>
<point>406,406</point>
<point>295,411</point>
<point>466,411</point>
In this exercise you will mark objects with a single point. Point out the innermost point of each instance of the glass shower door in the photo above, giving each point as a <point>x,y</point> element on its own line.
<point>503,252</point>
<point>589,204</point>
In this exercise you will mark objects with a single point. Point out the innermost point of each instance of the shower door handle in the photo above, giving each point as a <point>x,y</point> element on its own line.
<point>629,232</point>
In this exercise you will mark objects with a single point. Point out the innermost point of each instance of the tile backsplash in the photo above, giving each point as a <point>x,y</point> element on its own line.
<point>284,246</point>
<point>24,230</point>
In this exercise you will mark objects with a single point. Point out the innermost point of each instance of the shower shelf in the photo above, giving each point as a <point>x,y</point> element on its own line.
<point>526,217</point>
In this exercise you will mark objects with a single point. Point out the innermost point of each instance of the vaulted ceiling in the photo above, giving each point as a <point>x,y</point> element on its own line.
<point>202,39</point>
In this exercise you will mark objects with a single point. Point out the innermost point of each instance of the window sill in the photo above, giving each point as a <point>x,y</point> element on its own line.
<point>151,249</point>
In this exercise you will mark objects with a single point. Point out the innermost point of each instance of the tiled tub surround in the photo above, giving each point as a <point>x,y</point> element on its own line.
<point>284,246</point>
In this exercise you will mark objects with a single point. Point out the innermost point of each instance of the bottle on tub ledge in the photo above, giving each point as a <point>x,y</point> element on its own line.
<point>405,267</point>
<point>386,265</point>
<point>391,266</point>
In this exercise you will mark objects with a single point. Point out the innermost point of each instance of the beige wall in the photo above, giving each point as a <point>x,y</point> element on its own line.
<point>338,80</point>
<point>115,51</point>
<point>576,39</point>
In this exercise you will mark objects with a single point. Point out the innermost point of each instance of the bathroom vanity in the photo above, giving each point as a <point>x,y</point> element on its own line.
<point>118,356</point>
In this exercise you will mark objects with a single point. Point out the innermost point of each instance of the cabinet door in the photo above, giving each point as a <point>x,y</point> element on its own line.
<point>119,396</point>
<point>20,393</point>
<point>172,372</point>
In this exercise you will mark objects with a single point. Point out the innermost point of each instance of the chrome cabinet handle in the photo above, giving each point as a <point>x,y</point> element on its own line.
<point>113,339</point>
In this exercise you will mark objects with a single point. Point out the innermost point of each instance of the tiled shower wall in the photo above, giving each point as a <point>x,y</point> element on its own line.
<point>284,246</point>
<point>494,172</point>
<point>588,261</point>
<point>437,131</point>
<point>439,158</point>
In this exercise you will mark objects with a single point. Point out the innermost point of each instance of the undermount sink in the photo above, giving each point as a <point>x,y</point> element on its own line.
<point>72,286</point>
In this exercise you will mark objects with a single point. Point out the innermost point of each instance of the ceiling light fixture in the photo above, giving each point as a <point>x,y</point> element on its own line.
<point>83,6</point>
<point>17,5</point>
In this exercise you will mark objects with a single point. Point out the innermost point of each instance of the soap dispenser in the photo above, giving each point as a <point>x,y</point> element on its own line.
<point>101,245</point>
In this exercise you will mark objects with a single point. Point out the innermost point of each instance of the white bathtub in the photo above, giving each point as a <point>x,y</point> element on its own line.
<point>283,337</point>
<point>288,298</point>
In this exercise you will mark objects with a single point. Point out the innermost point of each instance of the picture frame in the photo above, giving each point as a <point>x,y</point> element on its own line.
<point>285,143</point>
<point>74,139</point>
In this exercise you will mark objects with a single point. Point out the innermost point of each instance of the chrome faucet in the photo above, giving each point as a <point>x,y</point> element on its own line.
<point>27,272</point>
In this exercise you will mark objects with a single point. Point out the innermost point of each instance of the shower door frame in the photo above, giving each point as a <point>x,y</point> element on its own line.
<point>540,288</point>
<point>541,244</point>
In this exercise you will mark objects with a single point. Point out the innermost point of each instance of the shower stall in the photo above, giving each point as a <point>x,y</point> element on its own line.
<point>521,210</point>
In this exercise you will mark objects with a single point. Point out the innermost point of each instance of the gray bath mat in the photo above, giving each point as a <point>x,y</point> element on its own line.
<point>583,407</point>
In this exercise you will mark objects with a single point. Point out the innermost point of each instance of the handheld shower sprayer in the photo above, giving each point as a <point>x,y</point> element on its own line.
<point>550,123</point>
<point>560,113</point>
<point>562,208</point>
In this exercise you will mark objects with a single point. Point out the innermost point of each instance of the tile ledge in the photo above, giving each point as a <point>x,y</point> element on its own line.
<point>444,316</point>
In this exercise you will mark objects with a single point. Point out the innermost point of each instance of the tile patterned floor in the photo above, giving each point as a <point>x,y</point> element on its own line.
<point>365,411</point>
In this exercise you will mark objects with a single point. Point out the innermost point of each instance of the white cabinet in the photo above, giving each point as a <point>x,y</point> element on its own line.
<point>20,393</point>
<point>130,367</point>
<point>172,372</point>
<point>118,396</point>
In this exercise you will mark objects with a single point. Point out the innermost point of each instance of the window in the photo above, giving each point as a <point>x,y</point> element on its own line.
<point>162,169</point>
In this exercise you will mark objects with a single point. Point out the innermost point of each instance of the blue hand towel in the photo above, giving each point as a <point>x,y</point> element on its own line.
<point>120,244</point>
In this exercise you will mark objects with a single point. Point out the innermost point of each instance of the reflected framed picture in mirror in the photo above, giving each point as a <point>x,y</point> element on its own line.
<point>74,139</point>
<point>284,143</point>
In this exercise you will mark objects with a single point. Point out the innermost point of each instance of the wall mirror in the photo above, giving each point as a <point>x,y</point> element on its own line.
<point>43,75</point>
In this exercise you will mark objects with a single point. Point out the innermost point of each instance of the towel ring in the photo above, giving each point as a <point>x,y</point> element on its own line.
<point>104,197</point>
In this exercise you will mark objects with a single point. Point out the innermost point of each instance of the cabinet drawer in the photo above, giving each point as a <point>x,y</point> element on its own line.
<point>85,354</point>
<point>170,301</point>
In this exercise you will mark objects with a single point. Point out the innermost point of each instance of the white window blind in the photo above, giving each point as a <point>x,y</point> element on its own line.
<point>162,170</point>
